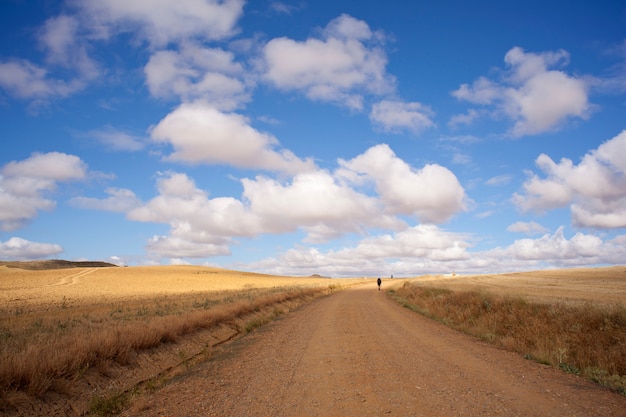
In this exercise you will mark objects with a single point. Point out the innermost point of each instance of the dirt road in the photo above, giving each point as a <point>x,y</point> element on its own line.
<point>357,353</point>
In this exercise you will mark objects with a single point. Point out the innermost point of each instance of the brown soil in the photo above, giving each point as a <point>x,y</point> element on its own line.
<point>357,352</point>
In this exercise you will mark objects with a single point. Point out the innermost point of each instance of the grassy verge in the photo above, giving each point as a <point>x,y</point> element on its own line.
<point>45,351</point>
<point>585,340</point>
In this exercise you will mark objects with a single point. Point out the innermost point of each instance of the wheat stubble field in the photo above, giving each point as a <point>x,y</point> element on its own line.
<point>168,341</point>
<point>71,338</point>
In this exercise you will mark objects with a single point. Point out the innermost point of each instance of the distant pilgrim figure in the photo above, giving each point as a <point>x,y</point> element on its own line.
<point>379,281</point>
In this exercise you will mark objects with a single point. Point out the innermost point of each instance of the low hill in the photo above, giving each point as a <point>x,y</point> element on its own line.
<point>55,264</point>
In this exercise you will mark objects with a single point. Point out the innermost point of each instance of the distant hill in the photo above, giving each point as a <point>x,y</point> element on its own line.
<point>55,264</point>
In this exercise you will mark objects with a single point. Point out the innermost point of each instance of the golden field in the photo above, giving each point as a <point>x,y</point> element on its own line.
<point>573,319</point>
<point>578,285</point>
<point>85,338</point>
<point>63,329</point>
<point>20,288</point>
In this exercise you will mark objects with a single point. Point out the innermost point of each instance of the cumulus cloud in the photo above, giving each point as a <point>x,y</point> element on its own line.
<point>195,72</point>
<point>341,66</point>
<point>24,185</point>
<point>160,22</point>
<point>317,203</point>
<point>529,228</point>
<point>397,116</point>
<point>414,250</point>
<point>200,133</point>
<point>21,249</point>
<point>557,247</point>
<point>595,189</point>
<point>201,226</point>
<point>536,97</point>
<point>63,50</point>
<point>176,247</point>
<point>432,193</point>
<point>322,204</point>
<point>427,249</point>
<point>554,250</point>
<point>119,200</point>
<point>190,73</point>
<point>26,80</point>
<point>64,47</point>
<point>464,119</point>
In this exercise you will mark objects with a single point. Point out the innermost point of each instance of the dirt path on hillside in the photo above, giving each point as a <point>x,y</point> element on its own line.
<point>357,353</point>
<point>72,279</point>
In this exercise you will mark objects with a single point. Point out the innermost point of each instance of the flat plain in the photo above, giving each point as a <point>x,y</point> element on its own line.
<point>50,306</point>
<point>599,286</point>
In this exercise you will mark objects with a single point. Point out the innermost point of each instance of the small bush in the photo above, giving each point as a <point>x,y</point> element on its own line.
<point>567,337</point>
<point>38,353</point>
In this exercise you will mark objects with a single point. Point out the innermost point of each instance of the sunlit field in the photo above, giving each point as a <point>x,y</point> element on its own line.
<point>86,338</point>
<point>60,327</point>
<point>578,285</point>
<point>571,319</point>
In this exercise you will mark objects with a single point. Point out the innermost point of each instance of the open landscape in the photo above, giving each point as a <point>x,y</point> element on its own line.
<point>70,337</point>
<point>90,339</point>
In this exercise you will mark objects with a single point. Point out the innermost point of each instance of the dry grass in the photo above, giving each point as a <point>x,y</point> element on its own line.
<point>55,325</point>
<point>581,334</point>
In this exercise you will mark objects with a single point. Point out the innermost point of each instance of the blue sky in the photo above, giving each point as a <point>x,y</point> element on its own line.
<point>352,138</point>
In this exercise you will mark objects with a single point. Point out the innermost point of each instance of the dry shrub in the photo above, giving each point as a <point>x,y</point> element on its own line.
<point>40,352</point>
<point>17,400</point>
<point>582,339</point>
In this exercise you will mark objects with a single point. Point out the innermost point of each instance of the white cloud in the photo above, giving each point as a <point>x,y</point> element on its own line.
<point>200,227</point>
<point>323,205</point>
<point>21,249</point>
<point>195,72</point>
<point>201,133</point>
<point>65,42</point>
<point>557,247</point>
<point>415,250</point>
<point>340,67</point>
<point>426,249</point>
<point>499,180</point>
<point>58,38</point>
<point>484,214</point>
<point>160,22</point>
<point>179,247</point>
<point>613,81</point>
<point>396,116</point>
<point>529,228</point>
<point>116,140</point>
<point>595,188</point>
<point>119,200</point>
<point>482,91</point>
<point>317,203</point>
<point>23,185</point>
<point>284,7</point>
<point>464,119</point>
<point>461,159</point>
<point>432,193</point>
<point>26,80</point>
<point>47,167</point>
<point>535,97</point>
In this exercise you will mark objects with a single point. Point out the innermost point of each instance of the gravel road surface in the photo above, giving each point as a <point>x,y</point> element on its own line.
<point>358,353</point>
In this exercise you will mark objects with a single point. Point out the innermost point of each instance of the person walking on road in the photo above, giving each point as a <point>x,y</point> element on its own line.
<point>379,281</point>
